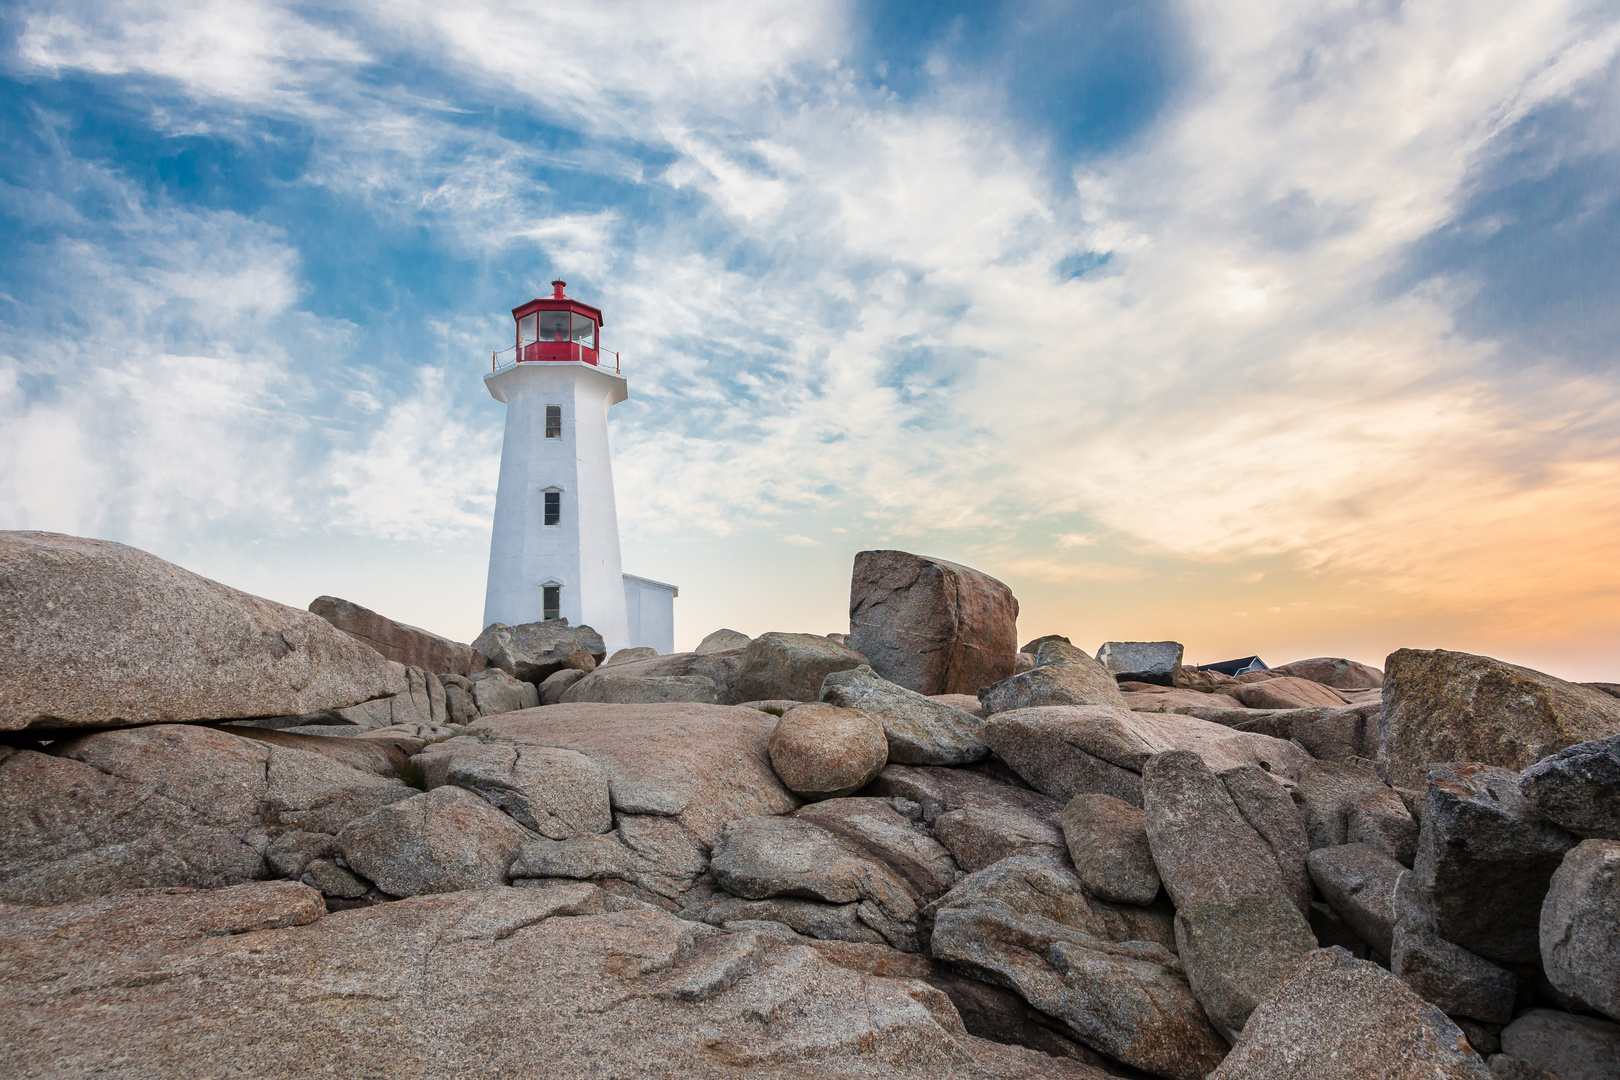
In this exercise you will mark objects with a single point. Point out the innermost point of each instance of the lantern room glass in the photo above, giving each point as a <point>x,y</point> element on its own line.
<point>554,326</point>
<point>584,331</point>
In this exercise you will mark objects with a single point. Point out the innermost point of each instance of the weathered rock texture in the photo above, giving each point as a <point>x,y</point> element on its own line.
<point>1141,661</point>
<point>921,730</point>
<point>1580,926</point>
<point>1334,671</point>
<point>169,805</point>
<point>1284,692</point>
<point>1579,788</point>
<point>517,983</point>
<point>1338,1018</point>
<point>723,641</point>
<point>532,651</point>
<point>791,666</point>
<point>1449,706</point>
<point>558,793</point>
<point>1236,954</point>
<point>929,625</point>
<point>822,751</point>
<point>980,820</point>
<point>608,687</point>
<point>1565,1045</point>
<point>1062,675</point>
<point>721,668</point>
<point>1108,842</point>
<point>399,642</point>
<point>96,634</point>
<point>440,841</point>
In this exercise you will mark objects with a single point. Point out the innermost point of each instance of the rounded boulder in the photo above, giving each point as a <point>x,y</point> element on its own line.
<point>823,751</point>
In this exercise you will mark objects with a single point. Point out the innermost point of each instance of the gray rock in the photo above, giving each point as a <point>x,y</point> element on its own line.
<point>1580,926</point>
<point>1572,1047</point>
<point>1325,792</point>
<point>625,656</point>
<point>102,635</point>
<point>1334,671</point>
<point>1369,890</point>
<point>1579,788</point>
<point>375,756</point>
<point>556,684</point>
<point>399,642</point>
<point>459,706</point>
<point>994,1012</point>
<point>1066,751</point>
<point>518,983</point>
<point>1062,675</point>
<point>496,692</point>
<point>723,641</point>
<point>760,858</point>
<point>978,819</point>
<point>1450,707</point>
<point>532,651</point>
<point>1380,819</point>
<point>608,688</point>
<point>440,841</point>
<point>168,805</point>
<point>1339,1018</point>
<point>874,829</point>
<point>812,918</point>
<point>1508,1067</point>
<point>420,702</point>
<point>1289,693</point>
<point>1449,976</point>
<point>1028,925</point>
<point>656,857</point>
<point>791,666</point>
<point>1485,860</point>
<point>1205,850</point>
<point>1236,954</point>
<point>1141,661</point>
<point>921,730</point>
<point>1266,806</point>
<point>723,669</point>
<point>557,793</point>
<point>822,751</point>
<point>1107,839</point>
<point>1334,734</point>
<point>928,625</point>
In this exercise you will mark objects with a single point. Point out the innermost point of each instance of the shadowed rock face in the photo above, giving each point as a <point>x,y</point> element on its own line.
<point>929,625</point>
<point>921,730</point>
<point>532,651</point>
<point>97,634</point>
<point>1580,926</point>
<point>512,982</point>
<point>1579,788</point>
<point>1449,706</point>
<point>399,642</point>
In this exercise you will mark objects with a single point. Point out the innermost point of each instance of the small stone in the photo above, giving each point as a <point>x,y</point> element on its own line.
<point>557,683</point>
<point>822,751</point>
<point>1369,890</point>
<point>495,692</point>
<point>557,793</point>
<point>532,651</point>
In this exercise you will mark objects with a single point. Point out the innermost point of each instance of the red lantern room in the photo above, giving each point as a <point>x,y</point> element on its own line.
<point>557,328</point>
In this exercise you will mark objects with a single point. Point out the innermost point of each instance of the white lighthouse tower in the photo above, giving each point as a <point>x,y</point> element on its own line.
<point>555,549</point>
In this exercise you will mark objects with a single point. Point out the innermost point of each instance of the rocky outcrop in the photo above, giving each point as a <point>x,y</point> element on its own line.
<point>610,688</point>
<point>791,666</point>
<point>1284,692</point>
<point>1334,671</point>
<point>1332,734</point>
<point>1338,1018</point>
<point>1580,926</point>
<point>495,692</point>
<point>532,651</point>
<point>520,983</point>
<point>170,805</point>
<point>929,625</point>
<point>1108,842</point>
<point>1325,792</point>
<point>822,751</point>
<point>1236,954</point>
<point>1579,788</point>
<point>1485,861</point>
<point>555,792</point>
<point>399,642</point>
<point>920,730</point>
<point>980,820</point>
<point>1460,983</point>
<point>1062,675</point>
<point>440,841</point>
<point>1564,1045</point>
<point>721,669</point>
<point>97,634</point>
<point>1141,661</point>
<point>723,641</point>
<point>1449,706</point>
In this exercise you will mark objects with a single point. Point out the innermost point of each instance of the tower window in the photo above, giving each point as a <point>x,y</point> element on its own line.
<point>551,601</point>
<point>553,508</point>
<point>553,421</point>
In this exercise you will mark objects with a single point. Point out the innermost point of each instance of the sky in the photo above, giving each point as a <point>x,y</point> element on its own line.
<point>1268,327</point>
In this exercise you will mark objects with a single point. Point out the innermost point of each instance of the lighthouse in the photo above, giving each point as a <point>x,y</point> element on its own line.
<point>554,553</point>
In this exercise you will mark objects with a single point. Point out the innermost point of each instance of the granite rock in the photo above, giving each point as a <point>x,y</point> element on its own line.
<point>532,651</point>
<point>1578,788</point>
<point>1062,675</point>
<point>1237,953</point>
<point>1580,926</point>
<point>1141,661</point>
<point>921,730</point>
<point>822,751</point>
<point>555,792</point>
<point>791,666</point>
<point>443,840</point>
<point>1107,839</point>
<point>399,642</point>
<point>1568,1045</point>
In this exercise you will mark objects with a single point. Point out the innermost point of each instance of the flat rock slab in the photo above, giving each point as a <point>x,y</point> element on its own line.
<point>1062,675</point>
<point>1449,706</point>
<point>96,634</point>
<point>543,983</point>
<point>1338,1018</point>
<point>921,730</point>
<point>1289,693</point>
<point>702,764</point>
<point>1331,734</point>
<point>399,642</point>
<point>722,667</point>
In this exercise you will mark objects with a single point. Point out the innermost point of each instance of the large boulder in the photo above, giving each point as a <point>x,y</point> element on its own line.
<point>1380,819</point>
<point>1062,675</point>
<point>1330,734</point>
<point>1237,953</point>
<point>929,625</point>
<point>1325,792</point>
<point>1449,706</point>
<point>1029,925</point>
<point>723,669</point>
<point>873,828</point>
<point>1339,1018</point>
<point>610,688</point>
<point>495,692</point>
<point>170,805</point>
<point>1286,692</point>
<point>97,634</point>
<point>399,642</point>
<point>1579,788</point>
<point>921,730</point>
<point>1461,983</point>
<point>558,793</point>
<point>980,820</point>
<point>1107,839</point>
<point>822,751</point>
<point>1485,860</point>
<point>440,841</point>
<point>1066,751</point>
<point>1568,1046</point>
<point>791,667</point>
<point>532,651</point>
<point>1141,661</point>
<point>1369,890</point>
<point>1580,926</point>
<point>723,641</point>
<point>1334,671</point>
<point>519,983</point>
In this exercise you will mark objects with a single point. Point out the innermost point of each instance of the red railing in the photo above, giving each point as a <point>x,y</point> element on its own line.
<point>554,351</point>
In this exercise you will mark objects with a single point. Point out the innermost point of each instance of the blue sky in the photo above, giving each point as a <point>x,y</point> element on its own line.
<point>1267,327</point>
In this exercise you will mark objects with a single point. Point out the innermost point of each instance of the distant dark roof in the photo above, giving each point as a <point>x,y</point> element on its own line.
<point>1236,667</point>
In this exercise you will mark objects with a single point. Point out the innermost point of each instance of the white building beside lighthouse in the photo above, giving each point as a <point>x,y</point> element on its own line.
<point>555,549</point>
